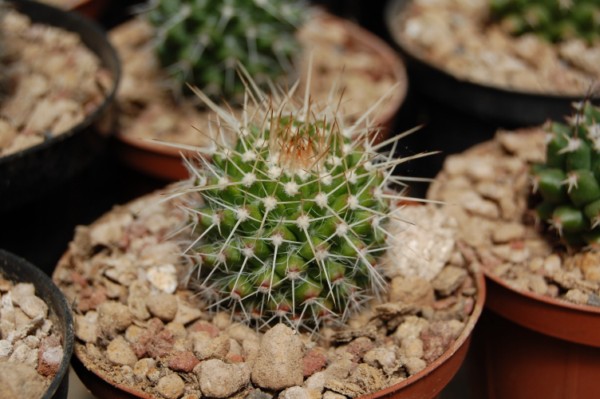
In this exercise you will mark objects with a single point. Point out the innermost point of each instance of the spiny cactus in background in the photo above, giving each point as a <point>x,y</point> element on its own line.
<point>200,42</point>
<point>290,220</point>
<point>569,180</point>
<point>555,20</point>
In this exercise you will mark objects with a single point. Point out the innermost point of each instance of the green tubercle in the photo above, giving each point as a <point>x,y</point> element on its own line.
<point>568,182</point>
<point>201,42</point>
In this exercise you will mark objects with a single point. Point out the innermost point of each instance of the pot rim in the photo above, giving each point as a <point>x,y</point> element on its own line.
<point>549,316</point>
<point>90,118</point>
<point>45,286</point>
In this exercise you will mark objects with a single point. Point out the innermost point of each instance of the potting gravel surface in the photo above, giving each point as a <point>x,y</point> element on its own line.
<point>456,36</point>
<point>138,325</point>
<point>53,82</point>
<point>30,347</point>
<point>487,190</point>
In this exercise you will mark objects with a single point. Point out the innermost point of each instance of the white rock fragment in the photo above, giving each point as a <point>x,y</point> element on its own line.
<point>163,277</point>
<point>420,249</point>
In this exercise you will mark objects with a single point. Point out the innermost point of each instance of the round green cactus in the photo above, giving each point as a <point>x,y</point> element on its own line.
<point>569,180</point>
<point>201,42</point>
<point>289,221</point>
<point>555,20</point>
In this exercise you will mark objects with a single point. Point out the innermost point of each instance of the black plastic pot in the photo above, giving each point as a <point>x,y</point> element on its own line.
<point>18,270</point>
<point>508,107</point>
<point>38,169</point>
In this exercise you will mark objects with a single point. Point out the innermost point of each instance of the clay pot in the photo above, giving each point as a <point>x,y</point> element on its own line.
<point>18,270</point>
<point>538,347</point>
<point>166,163</point>
<point>426,384</point>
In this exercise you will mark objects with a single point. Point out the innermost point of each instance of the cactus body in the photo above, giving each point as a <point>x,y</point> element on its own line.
<point>555,20</point>
<point>200,42</point>
<point>290,220</point>
<point>569,181</point>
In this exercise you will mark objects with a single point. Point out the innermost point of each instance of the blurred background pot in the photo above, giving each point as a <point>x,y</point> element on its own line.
<point>508,107</point>
<point>35,170</point>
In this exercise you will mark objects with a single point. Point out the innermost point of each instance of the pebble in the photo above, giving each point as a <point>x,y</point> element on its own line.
<point>295,393</point>
<point>414,365</point>
<point>113,317</point>
<point>313,361</point>
<point>186,314</point>
<point>24,354</point>
<point>171,386</point>
<point>221,380</point>
<point>577,296</point>
<point>279,361</point>
<point>508,232</point>
<point>120,352</point>
<point>163,277</point>
<point>86,326</point>
<point>163,306</point>
<point>552,264</point>
<point>411,290</point>
<point>449,279</point>
<point>50,356</point>
<point>142,367</point>
<point>5,349</point>
<point>183,361</point>
<point>316,382</point>
<point>136,300</point>
<point>384,358</point>
<point>333,395</point>
<point>21,291</point>
<point>33,307</point>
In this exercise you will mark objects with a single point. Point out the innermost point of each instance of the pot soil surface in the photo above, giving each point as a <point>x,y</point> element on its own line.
<point>458,37</point>
<point>31,348</point>
<point>150,112</point>
<point>139,326</point>
<point>53,82</point>
<point>487,190</point>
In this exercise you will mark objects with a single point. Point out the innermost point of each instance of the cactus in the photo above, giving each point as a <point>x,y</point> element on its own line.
<point>554,20</point>
<point>569,180</point>
<point>200,42</point>
<point>290,220</point>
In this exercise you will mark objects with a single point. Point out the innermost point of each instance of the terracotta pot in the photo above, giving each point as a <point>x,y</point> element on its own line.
<point>540,347</point>
<point>166,163</point>
<point>427,384</point>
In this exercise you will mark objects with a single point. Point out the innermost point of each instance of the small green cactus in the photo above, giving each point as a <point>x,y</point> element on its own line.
<point>569,180</point>
<point>555,20</point>
<point>201,42</point>
<point>289,221</point>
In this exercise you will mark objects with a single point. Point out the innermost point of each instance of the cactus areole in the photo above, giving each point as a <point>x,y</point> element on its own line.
<point>201,41</point>
<point>288,222</point>
<point>569,180</point>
